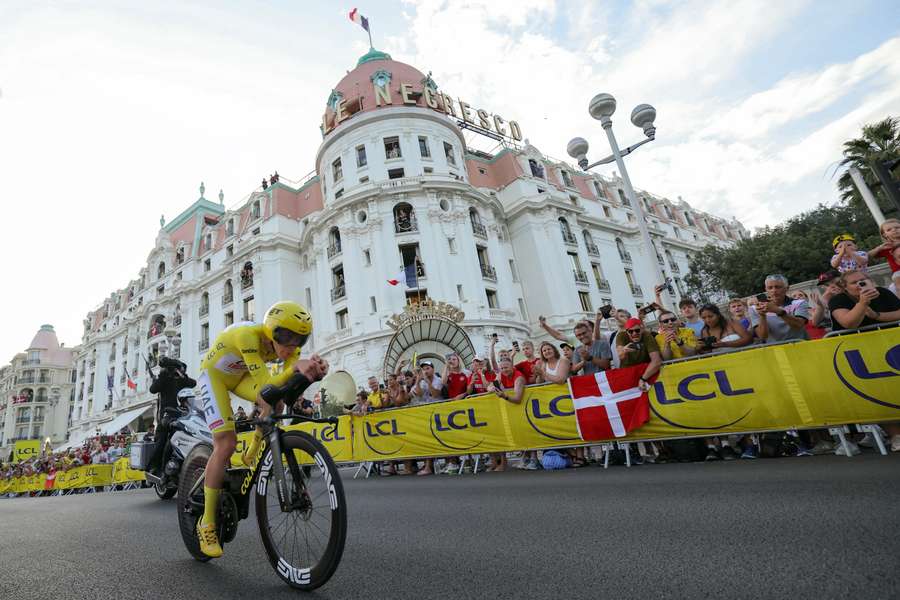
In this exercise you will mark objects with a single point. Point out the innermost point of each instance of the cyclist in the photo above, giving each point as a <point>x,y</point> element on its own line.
<point>237,364</point>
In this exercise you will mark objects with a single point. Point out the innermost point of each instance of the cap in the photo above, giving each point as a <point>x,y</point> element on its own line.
<point>479,358</point>
<point>426,363</point>
<point>567,345</point>
<point>633,322</point>
<point>844,237</point>
<point>828,276</point>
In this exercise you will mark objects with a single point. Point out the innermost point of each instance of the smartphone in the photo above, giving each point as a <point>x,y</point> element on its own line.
<point>709,341</point>
<point>646,310</point>
<point>762,297</point>
<point>516,345</point>
<point>495,336</point>
<point>863,283</point>
<point>635,345</point>
<point>606,310</point>
<point>496,384</point>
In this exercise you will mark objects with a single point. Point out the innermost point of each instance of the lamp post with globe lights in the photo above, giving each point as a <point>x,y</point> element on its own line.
<point>602,107</point>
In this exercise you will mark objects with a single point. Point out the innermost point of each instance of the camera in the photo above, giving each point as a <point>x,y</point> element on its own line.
<point>709,341</point>
<point>496,384</point>
<point>606,310</point>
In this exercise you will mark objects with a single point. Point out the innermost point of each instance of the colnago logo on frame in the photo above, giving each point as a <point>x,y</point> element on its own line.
<point>866,377</point>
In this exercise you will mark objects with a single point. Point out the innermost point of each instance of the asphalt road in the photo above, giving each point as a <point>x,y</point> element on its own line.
<point>820,527</point>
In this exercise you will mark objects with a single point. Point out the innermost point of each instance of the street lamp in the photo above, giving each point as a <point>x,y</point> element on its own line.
<point>602,107</point>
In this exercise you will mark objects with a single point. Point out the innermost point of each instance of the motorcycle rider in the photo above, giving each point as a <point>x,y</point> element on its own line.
<point>237,364</point>
<point>168,383</point>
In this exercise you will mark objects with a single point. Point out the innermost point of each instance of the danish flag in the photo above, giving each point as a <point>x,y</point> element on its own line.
<point>609,404</point>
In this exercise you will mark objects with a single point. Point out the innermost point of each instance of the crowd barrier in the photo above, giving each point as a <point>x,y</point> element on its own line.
<point>853,379</point>
<point>88,476</point>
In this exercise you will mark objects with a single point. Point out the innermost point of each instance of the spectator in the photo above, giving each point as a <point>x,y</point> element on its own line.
<point>428,388</point>
<point>454,378</point>
<point>829,284</point>
<point>480,379</point>
<point>691,318</point>
<point>265,184</point>
<point>674,341</point>
<point>592,355</point>
<point>636,346</point>
<point>846,255</point>
<point>720,332</point>
<point>785,318</point>
<point>890,234</point>
<point>526,367</point>
<point>510,379</point>
<point>149,436</point>
<point>99,455</point>
<point>814,331</point>
<point>240,415</point>
<point>361,407</point>
<point>862,303</point>
<point>552,368</point>
<point>375,400</point>
<point>396,392</point>
<point>738,309</point>
<point>568,351</point>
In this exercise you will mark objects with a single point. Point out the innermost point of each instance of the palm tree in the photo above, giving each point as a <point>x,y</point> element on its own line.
<point>879,141</point>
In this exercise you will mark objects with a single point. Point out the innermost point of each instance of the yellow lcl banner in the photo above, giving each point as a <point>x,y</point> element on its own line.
<point>26,449</point>
<point>77,477</point>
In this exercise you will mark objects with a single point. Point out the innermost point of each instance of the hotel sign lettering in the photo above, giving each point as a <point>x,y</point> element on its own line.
<point>407,94</point>
<point>426,309</point>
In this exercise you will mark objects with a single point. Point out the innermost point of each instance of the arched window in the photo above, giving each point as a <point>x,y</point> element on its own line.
<point>204,304</point>
<point>478,227</point>
<point>404,218</point>
<point>256,209</point>
<point>566,231</point>
<point>623,253</point>
<point>334,242</point>
<point>623,198</point>
<point>161,270</point>
<point>247,275</point>
<point>589,243</point>
<point>179,255</point>
<point>228,296</point>
<point>41,395</point>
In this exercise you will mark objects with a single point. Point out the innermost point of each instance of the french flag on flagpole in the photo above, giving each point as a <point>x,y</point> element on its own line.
<point>609,404</point>
<point>359,19</point>
<point>406,276</point>
<point>130,382</point>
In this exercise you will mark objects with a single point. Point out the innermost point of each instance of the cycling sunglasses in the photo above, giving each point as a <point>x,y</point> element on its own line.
<point>286,337</point>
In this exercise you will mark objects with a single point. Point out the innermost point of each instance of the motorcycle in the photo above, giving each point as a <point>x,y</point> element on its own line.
<point>181,426</point>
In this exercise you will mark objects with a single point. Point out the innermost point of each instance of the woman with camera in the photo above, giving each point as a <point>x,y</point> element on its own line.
<point>720,332</point>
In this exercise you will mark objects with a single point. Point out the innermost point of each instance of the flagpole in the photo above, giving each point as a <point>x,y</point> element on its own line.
<point>371,46</point>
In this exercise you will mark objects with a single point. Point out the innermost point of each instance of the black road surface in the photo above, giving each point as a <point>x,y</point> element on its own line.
<point>820,527</point>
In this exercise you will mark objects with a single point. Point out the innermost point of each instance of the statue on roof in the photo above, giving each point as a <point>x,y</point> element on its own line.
<point>162,221</point>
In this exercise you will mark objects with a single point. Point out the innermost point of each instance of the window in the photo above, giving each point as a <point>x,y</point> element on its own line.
<point>607,213</point>
<point>537,170</point>
<point>159,291</point>
<point>483,259</point>
<point>541,190</point>
<point>208,243</point>
<point>337,170</point>
<point>522,310</point>
<point>392,147</point>
<point>428,170</point>
<point>228,293</point>
<point>492,299</point>
<point>249,309</point>
<point>668,211</point>
<point>629,277</point>
<point>585,300</point>
<point>573,259</point>
<point>630,218</point>
<point>573,200</point>
<point>341,320</point>
<point>372,304</point>
<point>459,292</point>
<point>451,244</point>
<point>361,160</point>
<point>598,189</point>
<point>229,251</point>
<point>229,319</point>
<point>424,150</point>
<point>513,271</point>
<point>395,173</point>
<point>364,179</point>
<point>567,179</point>
<point>623,199</point>
<point>204,336</point>
<point>308,299</point>
<point>229,228</point>
<point>339,193</point>
<point>161,270</point>
<point>367,257</point>
<point>255,231</point>
<point>448,152</point>
<point>256,210</point>
<point>207,265</point>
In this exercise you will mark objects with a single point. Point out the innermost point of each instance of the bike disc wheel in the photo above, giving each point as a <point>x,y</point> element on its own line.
<point>305,544</point>
<point>191,470</point>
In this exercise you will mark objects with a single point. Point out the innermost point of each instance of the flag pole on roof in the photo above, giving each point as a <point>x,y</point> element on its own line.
<point>362,22</point>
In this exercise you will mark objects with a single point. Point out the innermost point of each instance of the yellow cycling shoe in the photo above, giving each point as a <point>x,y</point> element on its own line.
<point>209,541</point>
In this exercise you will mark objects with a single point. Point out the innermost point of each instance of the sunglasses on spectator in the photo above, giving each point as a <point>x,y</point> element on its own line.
<point>667,321</point>
<point>633,330</point>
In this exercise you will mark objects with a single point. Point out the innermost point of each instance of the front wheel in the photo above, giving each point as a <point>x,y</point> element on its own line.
<point>305,544</point>
<point>190,508</point>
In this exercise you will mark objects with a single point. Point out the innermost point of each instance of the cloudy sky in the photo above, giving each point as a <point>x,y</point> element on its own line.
<point>112,113</point>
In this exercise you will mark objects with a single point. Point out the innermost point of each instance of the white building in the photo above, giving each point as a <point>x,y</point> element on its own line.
<point>501,237</point>
<point>36,392</point>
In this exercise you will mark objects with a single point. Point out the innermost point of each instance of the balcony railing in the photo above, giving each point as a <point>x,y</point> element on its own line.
<point>580,276</point>
<point>43,380</point>
<point>90,389</point>
<point>501,313</point>
<point>203,345</point>
<point>204,310</point>
<point>488,272</point>
<point>338,292</point>
<point>334,250</point>
<point>246,282</point>
<point>405,225</point>
<point>592,249</point>
<point>27,380</point>
<point>479,230</point>
<point>569,238</point>
<point>636,291</point>
<point>675,268</point>
<point>31,361</point>
<point>23,420</point>
<point>226,300</point>
<point>625,256</point>
<point>603,285</point>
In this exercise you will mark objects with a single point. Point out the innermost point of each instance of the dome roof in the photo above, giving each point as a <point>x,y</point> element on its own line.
<point>45,339</point>
<point>356,87</point>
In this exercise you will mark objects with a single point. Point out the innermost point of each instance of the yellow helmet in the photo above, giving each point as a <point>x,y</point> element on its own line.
<point>288,323</point>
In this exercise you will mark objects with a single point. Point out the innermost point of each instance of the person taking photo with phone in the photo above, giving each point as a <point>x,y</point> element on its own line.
<point>674,341</point>
<point>862,303</point>
<point>637,346</point>
<point>777,317</point>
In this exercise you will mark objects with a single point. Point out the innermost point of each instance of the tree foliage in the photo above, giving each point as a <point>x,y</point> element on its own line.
<point>799,249</point>
<point>879,141</point>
